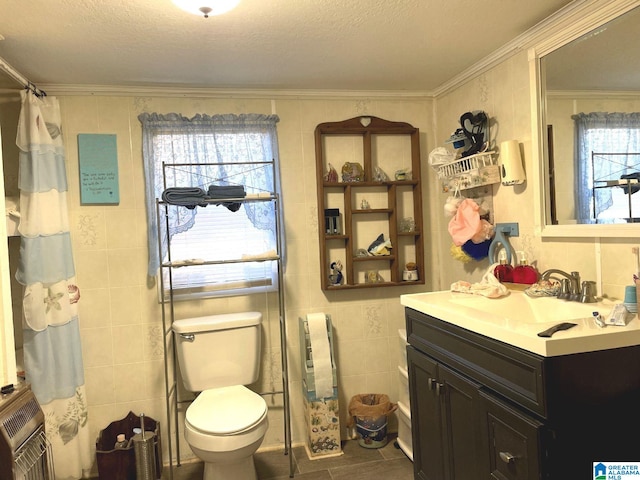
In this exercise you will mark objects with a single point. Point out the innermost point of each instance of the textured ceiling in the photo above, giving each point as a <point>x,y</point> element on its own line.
<point>410,45</point>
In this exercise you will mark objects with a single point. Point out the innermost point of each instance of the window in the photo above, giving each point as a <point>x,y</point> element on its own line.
<point>607,150</point>
<point>216,150</point>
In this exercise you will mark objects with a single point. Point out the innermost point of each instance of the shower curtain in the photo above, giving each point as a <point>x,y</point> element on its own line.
<point>52,349</point>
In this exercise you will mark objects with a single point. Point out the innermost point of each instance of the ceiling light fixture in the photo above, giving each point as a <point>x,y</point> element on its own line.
<point>206,7</point>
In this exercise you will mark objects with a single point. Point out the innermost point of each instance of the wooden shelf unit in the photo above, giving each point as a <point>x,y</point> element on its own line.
<point>368,127</point>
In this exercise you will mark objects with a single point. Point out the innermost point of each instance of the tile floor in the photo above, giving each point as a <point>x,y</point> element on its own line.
<point>357,463</point>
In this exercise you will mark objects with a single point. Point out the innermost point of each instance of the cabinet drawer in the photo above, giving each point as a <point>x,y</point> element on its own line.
<point>509,371</point>
<point>514,441</point>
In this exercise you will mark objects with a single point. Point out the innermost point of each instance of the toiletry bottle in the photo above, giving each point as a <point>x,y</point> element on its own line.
<point>504,271</point>
<point>524,273</point>
<point>121,441</point>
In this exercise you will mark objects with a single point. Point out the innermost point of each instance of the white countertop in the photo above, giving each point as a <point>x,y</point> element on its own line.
<point>517,319</point>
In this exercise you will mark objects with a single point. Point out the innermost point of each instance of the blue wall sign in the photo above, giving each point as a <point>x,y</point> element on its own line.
<point>98,157</point>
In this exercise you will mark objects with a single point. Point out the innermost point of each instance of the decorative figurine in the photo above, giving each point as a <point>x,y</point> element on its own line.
<point>407,224</point>
<point>352,172</point>
<point>336,277</point>
<point>403,174</point>
<point>410,273</point>
<point>331,176</point>
<point>364,205</point>
<point>373,276</point>
<point>380,246</point>
<point>379,175</point>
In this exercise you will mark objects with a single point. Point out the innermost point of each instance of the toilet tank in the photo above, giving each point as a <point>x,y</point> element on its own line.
<point>218,350</point>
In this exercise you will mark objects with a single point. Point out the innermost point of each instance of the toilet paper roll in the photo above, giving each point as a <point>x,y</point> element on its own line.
<point>321,351</point>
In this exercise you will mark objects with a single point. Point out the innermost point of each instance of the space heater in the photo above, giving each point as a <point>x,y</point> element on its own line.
<point>25,452</point>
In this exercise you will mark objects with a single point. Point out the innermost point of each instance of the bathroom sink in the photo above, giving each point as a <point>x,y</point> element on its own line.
<point>516,319</point>
<point>519,307</point>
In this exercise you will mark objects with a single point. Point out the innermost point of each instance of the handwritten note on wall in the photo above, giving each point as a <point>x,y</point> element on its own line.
<point>98,156</point>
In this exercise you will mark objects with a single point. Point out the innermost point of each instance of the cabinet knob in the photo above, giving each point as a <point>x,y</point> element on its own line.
<point>430,383</point>
<point>507,457</point>
<point>438,388</point>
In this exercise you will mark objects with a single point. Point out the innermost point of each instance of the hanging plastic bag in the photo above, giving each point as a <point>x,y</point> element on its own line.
<point>440,156</point>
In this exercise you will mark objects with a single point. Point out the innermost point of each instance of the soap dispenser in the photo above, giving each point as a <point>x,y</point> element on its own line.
<point>504,271</point>
<point>524,273</point>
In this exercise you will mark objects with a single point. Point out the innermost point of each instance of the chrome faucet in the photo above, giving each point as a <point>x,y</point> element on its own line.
<point>588,294</point>
<point>570,284</point>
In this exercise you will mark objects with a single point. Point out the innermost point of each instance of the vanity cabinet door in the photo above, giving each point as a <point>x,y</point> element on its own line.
<point>461,417</point>
<point>426,423</point>
<point>514,441</point>
<point>446,421</point>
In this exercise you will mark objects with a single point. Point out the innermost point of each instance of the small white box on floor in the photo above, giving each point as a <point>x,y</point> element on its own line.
<point>404,430</point>
<point>402,347</point>
<point>403,386</point>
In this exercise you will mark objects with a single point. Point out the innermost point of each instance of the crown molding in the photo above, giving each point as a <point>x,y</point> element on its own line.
<point>166,91</point>
<point>592,93</point>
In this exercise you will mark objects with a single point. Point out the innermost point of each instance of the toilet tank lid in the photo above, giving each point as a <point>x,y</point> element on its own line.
<point>210,323</point>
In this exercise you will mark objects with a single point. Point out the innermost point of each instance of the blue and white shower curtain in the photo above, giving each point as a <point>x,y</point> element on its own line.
<point>52,348</point>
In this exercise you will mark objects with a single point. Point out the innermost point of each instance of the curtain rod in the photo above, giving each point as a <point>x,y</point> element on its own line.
<point>18,77</point>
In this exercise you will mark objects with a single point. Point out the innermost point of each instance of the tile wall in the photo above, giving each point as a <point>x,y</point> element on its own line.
<point>119,313</point>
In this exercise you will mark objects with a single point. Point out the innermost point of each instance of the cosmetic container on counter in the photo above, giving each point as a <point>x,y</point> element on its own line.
<point>504,271</point>
<point>523,272</point>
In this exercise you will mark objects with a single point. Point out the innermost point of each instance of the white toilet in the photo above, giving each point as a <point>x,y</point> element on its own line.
<point>226,423</point>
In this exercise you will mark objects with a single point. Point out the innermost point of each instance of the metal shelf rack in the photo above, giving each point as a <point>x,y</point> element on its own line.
<point>168,313</point>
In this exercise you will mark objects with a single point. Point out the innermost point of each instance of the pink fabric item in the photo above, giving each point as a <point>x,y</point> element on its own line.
<point>465,224</point>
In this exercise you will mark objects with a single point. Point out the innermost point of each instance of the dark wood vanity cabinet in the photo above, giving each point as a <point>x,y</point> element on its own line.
<point>483,409</point>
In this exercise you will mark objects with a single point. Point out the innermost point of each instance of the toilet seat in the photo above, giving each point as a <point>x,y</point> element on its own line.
<point>226,411</point>
<point>239,415</point>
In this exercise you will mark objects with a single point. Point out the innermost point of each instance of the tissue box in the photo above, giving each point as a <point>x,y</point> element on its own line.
<point>322,419</point>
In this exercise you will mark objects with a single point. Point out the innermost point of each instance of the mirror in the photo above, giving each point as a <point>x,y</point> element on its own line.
<point>591,65</point>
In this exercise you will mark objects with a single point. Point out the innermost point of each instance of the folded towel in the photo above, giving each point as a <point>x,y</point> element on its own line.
<point>220,192</point>
<point>188,197</point>
<point>226,191</point>
<point>191,197</point>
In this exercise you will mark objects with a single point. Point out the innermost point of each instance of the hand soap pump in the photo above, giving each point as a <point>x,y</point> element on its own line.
<point>504,271</point>
<point>524,273</point>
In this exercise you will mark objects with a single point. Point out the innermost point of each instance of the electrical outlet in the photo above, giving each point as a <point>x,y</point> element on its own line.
<point>510,229</point>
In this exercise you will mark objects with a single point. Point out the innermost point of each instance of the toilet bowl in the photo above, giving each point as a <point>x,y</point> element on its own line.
<point>224,427</point>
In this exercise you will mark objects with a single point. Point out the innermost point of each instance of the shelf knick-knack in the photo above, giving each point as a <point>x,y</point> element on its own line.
<point>331,176</point>
<point>352,172</point>
<point>336,277</point>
